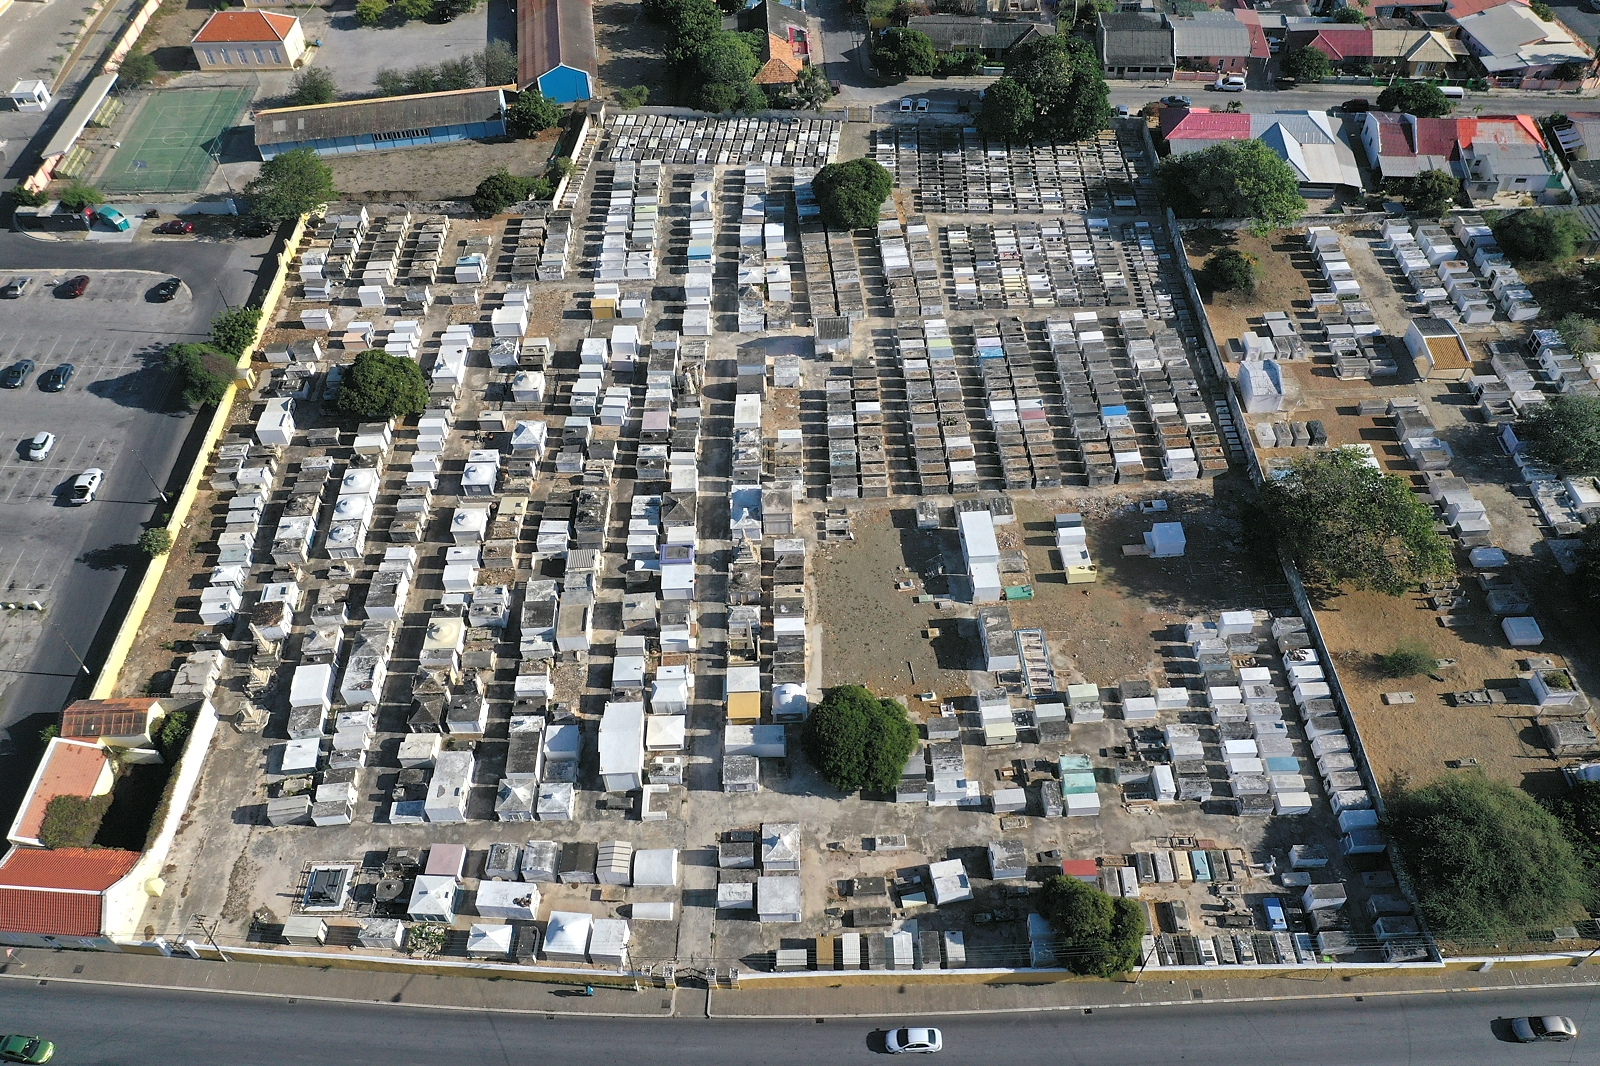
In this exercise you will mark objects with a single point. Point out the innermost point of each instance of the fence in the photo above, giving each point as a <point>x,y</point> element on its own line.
<point>130,36</point>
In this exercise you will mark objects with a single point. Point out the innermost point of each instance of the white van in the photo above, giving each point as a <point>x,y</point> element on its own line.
<point>1453,92</point>
<point>1232,83</point>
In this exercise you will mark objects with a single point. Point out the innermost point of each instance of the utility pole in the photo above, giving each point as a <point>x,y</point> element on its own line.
<point>70,649</point>
<point>159,490</point>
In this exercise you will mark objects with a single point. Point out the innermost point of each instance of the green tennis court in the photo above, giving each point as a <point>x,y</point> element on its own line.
<point>170,148</point>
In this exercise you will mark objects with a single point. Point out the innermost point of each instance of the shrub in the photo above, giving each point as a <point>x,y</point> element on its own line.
<point>1350,15</point>
<point>1408,659</point>
<point>77,197</point>
<point>26,198</point>
<point>1571,70</point>
<point>858,741</point>
<point>1230,270</point>
<point>414,9</point>
<point>1432,193</point>
<point>380,385</point>
<point>172,734</point>
<point>560,167</point>
<point>458,74</point>
<point>138,69</point>
<point>233,331</point>
<point>311,86</point>
<point>497,64</point>
<point>530,112</point>
<point>201,372</point>
<point>371,12</point>
<point>154,542</point>
<point>498,191</point>
<point>1539,236</point>
<point>541,188</point>
<point>1305,64</point>
<point>635,96</point>
<point>72,821</point>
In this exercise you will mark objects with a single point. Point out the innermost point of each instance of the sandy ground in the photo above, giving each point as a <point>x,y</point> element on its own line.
<point>1231,314</point>
<point>630,50</point>
<point>443,172</point>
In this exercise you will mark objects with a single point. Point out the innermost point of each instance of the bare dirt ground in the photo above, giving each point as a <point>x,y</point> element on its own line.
<point>443,172</point>
<point>1277,289</point>
<point>630,49</point>
<point>167,35</point>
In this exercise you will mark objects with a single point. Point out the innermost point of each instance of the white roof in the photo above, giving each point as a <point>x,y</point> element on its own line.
<point>977,535</point>
<point>433,895</point>
<point>950,883</point>
<point>311,684</point>
<point>622,738</point>
<point>655,867</point>
<point>567,933</point>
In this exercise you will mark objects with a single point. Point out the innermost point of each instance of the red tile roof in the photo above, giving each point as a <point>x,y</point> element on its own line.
<point>69,768</point>
<point>1442,136</point>
<point>1190,125</point>
<point>229,27</point>
<point>1334,41</point>
<point>57,893</point>
<point>92,719</point>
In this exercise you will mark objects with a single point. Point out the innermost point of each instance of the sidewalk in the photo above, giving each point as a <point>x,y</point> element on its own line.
<point>885,998</point>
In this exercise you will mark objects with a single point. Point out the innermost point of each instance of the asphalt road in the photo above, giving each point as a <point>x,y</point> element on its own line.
<point>82,593</point>
<point>109,1026</point>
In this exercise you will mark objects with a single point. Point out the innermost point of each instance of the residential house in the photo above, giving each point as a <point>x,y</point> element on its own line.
<point>1386,9</point>
<point>251,40</point>
<point>1186,129</point>
<point>69,768</point>
<point>1415,52</point>
<point>786,48</point>
<point>383,123</point>
<point>1214,41</point>
<point>1134,46</point>
<point>556,49</point>
<point>1493,154</point>
<point>57,898</point>
<point>1341,43</point>
<point>1579,135</point>
<point>1511,41</point>
<point>1317,146</point>
<point>959,33</point>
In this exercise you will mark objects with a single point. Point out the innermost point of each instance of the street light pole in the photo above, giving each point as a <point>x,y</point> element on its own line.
<point>159,490</point>
<point>72,651</point>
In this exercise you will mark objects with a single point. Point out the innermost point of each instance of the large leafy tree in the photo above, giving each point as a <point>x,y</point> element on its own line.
<point>1420,98</point>
<point>1486,859</point>
<point>1229,270</point>
<point>1062,75</point>
<point>1564,433</point>
<point>380,385</point>
<point>201,373</point>
<point>498,191</point>
<point>311,86</point>
<point>1345,522</point>
<point>289,185</point>
<point>850,193</point>
<point>1539,236</point>
<point>1007,111</point>
<point>1432,193</point>
<point>1098,935</point>
<point>529,112</point>
<point>1234,179</point>
<point>858,741</point>
<point>906,53</point>
<point>1581,333</point>
<point>1305,64</point>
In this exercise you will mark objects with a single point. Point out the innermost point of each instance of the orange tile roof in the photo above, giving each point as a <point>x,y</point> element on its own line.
<point>57,893</point>
<point>228,27</point>
<point>781,67</point>
<point>91,719</point>
<point>69,768</point>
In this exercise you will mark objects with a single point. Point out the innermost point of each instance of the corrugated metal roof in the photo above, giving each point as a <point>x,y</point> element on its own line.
<point>1212,33</point>
<point>284,125</point>
<point>554,33</point>
<point>951,33</point>
<point>1133,40</point>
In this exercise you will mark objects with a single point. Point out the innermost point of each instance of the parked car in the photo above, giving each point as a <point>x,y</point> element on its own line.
<point>254,227</point>
<point>1122,110</point>
<point>113,218</point>
<point>16,287</point>
<point>1360,105</point>
<point>1233,83</point>
<point>30,1049</point>
<point>166,290</point>
<point>922,105</point>
<point>1176,101</point>
<point>85,485</point>
<point>837,86</point>
<point>39,446</point>
<point>75,287</point>
<point>912,1041</point>
<point>56,380</point>
<point>1550,1027</point>
<point>905,104</point>
<point>16,374</point>
<point>177,225</point>
<point>1285,82</point>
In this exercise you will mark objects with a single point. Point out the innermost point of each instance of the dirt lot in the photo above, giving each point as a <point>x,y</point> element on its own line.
<point>630,49</point>
<point>438,173</point>
<point>1276,289</point>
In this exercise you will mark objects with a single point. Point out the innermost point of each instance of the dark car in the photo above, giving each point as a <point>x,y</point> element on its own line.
<point>255,227</point>
<point>75,287</point>
<point>177,225</point>
<point>15,374</point>
<point>1359,106</point>
<point>1176,101</point>
<point>55,380</point>
<point>166,290</point>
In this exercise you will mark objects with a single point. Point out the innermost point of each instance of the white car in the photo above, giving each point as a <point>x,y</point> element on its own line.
<point>1233,83</point>
<point>922,105</point>
<point>913,1041</point>
<point>905,104</point>
<point>38,447</point>
<point>86,485</point>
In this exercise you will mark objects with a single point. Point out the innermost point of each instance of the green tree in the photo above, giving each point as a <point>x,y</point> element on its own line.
<point>73,821</point>
<point>904,53</point>
<point>1485,859</point>
<point>454,9</point>
<point>138,70</point>
<point>290,185</point>
<point>811,88</point>
<point>498,191</point>
<point>380,385</point>
<point>1542,9</point>
<point>1564,433</point>
<point>851,193</point>
<point>1063,76</point>
<point>423,78</point>
<point>1234,179</point>
<point>154,542</point>
<point>311,85</point>
<point>371,12</point>
<point>1305,64</point>
<point>1007,112</point>
<point>529,112</point>
<point>1420,98</point>
<point>27,198</point>
<point>726,59</point>
<point>1345,522</point>
<point>1569,70</point>
<point>172,733</point>
<point>560,167</point>
<point>458,74</point>
<point>202,372</point>
<point>1432,193</point>
<point>233,331</point>
<point>540,188</point>
<point>859,741</point>
<point>1539,236</point>
<point>390,82</point>
<point>1229,270</point>
<point>1409,658</point>
<point>1581,334</point>
<point>1351,15</point>
<point>414,9</point>
<point>635,96</point>
<point>1098,936</point>
<point>960,64</point>
<point>497,64</point>
<point>1578,811</point>
<point>77,197</point>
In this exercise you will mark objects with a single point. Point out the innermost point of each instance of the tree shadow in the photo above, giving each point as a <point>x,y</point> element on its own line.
<point>115,557</point>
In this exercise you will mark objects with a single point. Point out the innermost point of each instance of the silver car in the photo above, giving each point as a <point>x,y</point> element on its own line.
<point>38,447</point>
<point>1550,1027</point>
